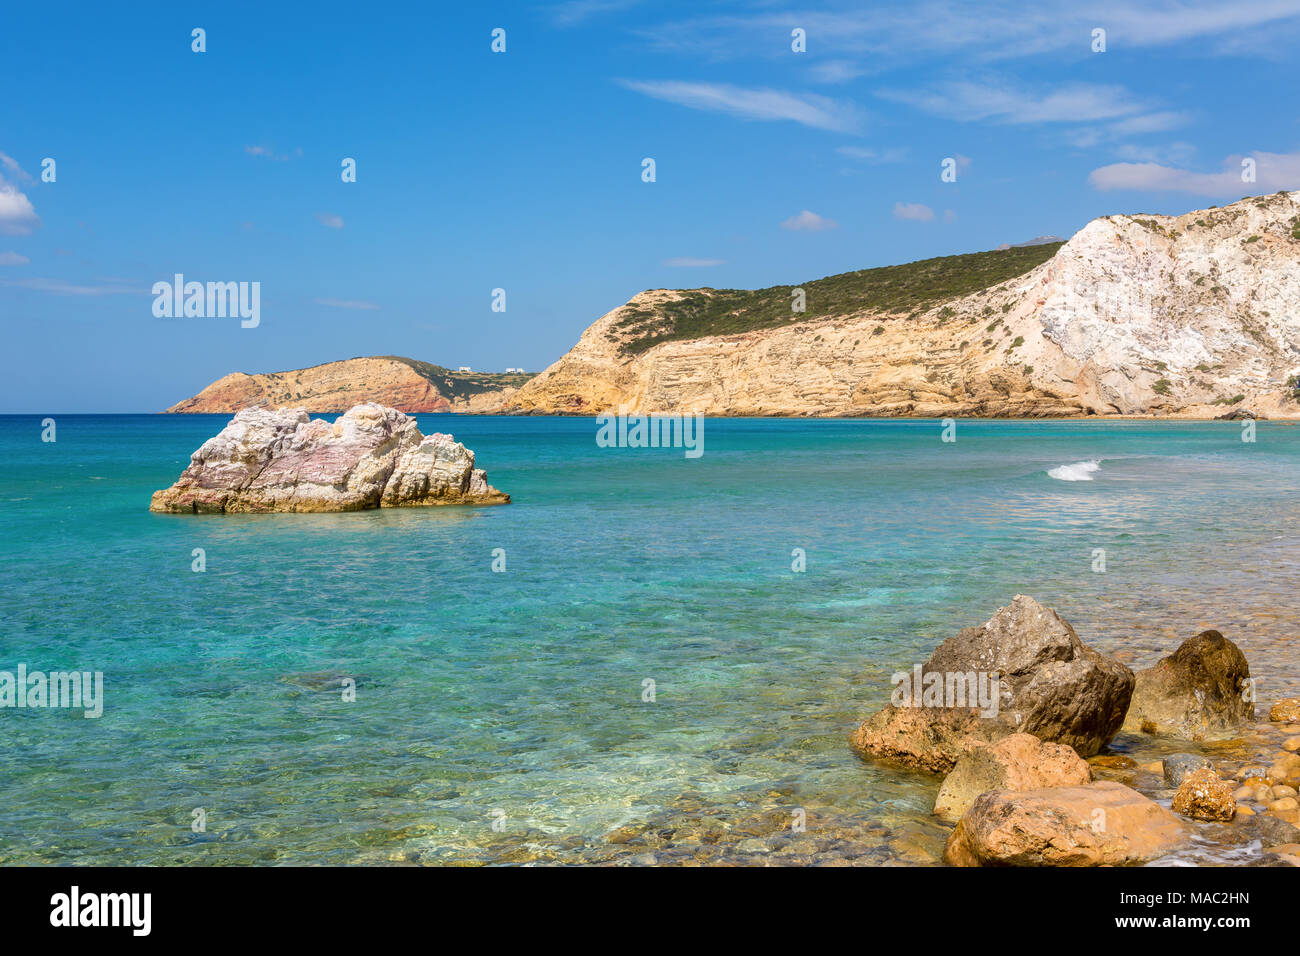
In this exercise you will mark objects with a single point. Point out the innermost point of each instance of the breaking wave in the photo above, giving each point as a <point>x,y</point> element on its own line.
<point>1078,471</point>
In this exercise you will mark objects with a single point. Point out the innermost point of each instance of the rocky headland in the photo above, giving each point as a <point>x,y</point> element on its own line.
<point>396,382</point>
<point>371,457</point>
<point>1194,316</point>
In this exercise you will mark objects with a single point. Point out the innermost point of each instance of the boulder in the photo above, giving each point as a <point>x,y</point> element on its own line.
<point>1271,830</point>
<point>265,461</point>
<point>924,738</point>
<point>1286,711</point>
<point>1203,796</point>
<point>1177,766</point>
<point>1017,762</point>
<point>1052,686</point>
<point>1196,693</point>
<point>1100,824</point>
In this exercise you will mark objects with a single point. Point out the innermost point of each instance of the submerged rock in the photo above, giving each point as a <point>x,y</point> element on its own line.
<point>1101,824</point>
<point>1177,766</point>
<point>924,738</point>
<point>372,456</point>
<point>1286,711</point>
<point>1018,762</point>
<point>1052,686</point>
<point>1203,796</point>
<point>1198,692</point>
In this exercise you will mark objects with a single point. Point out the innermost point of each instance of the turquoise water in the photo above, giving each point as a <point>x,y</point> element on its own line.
<point>515,698</point>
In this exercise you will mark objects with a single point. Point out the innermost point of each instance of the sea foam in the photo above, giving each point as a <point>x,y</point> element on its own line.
<point>1077,471</point>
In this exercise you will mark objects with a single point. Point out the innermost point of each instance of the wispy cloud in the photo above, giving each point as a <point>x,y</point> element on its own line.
<point>890,155</point>
<point>808,221</point>
<point>266,152</point>
<point>329,220</point>
<point>913,211</point>
<point>686,262</point>
<point>12,168</point>
<point>879,35</point>
<point>1273,172</point>
<point>1002,102</point>
<point>60,287</point>
<point>346,304</point>
<point>836,71</point>
<point>808,109</point>
<point>13,259</point>
<point>574,12</point>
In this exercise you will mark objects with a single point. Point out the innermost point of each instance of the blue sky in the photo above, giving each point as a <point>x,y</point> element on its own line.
<point>522,170</point>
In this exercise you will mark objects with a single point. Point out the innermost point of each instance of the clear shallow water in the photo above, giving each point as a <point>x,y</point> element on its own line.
<point>520,692</point>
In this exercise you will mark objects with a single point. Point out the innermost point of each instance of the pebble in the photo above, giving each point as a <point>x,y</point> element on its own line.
<point>1291,744</point>
<point>1282,790</point>
<point>1286,803</point>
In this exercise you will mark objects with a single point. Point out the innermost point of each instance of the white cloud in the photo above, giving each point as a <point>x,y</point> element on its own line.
<point>17,215</point>
<point>346,304</point>
<point>993,100</point>
<point>836,71</point>
<point>891,155</point>
<point>329,220</point>
<point>686,262</point>
<point>914,211</point>
<point>267,153</point>
<point>59,287</point>
<point>808,221</point>
<point>11,164</point>
<point>1158,122</point>
<point>1273,172</point>
<point>573,12</point>
<point>927,30</point>
<point>13,259</point>
<point>808,109</point>
<point>1175,154</point>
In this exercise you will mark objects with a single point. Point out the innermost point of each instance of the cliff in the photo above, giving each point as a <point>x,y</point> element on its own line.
<point>1195,315</point>
<point>393,381</point>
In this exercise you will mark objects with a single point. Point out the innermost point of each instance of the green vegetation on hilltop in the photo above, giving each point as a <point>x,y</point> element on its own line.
<point>456,385</point>
<point>902,289</point>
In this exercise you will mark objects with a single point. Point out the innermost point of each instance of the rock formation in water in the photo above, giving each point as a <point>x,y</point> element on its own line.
<point>1201,691</point>
<point>1053,686</point>
<point>1195,315</point>
<point>371,457</point>
<point>1100,824</point>
<point>401,383</point>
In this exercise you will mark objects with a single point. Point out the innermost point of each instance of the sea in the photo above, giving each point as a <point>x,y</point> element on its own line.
<point>647,657</point>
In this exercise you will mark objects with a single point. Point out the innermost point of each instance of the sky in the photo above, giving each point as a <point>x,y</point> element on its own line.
<point>524,170</point>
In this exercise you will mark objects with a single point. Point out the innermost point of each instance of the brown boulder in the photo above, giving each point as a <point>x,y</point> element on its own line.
<point>1101,824</point>
<point>1054,686</point>
<point>1198,692</point>
<point>1203,796</point>
<point>924,738</point>
<point>1018,762</point>
<point>1048,683</point>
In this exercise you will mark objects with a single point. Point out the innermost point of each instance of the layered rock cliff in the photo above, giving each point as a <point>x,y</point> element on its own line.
<point>401,383</point>
<point>371,457</point>
<point>1195,315</point>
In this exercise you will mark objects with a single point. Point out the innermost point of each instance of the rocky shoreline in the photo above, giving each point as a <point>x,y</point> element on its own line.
<point>1016,785</point>
<point>285,461</point>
